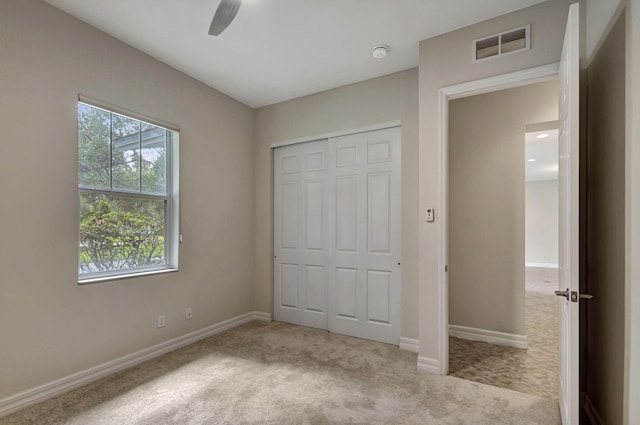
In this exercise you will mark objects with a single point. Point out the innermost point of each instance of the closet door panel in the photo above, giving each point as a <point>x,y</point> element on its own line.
<point>300,234</point>
<point>364,279</point>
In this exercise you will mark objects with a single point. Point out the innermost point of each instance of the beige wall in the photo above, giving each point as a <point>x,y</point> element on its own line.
<point>487,204</point>
<point>394,97</point>
<point>606,231</point>
<point>49,326</point>
<point>445,61</point>
<point>541,222</point>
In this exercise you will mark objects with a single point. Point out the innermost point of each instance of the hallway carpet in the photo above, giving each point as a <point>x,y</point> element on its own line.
<point>275,373</point>
<point>532,371</point>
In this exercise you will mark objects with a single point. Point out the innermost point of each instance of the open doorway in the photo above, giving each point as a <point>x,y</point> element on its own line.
<point>503,315</point>
<point>541,254</point>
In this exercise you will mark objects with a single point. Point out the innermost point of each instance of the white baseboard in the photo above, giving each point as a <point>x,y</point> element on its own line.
<point>41,393</point>
<point>409,344</point>
<point>429,365</point>
<point>491,337</point>
<point>262,317</point>
<point>592,412</point>
<point>545,265</point>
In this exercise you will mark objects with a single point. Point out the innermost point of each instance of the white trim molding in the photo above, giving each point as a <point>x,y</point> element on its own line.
<point>261,317</point>
<point>545,265</point>
<point>491,337</point>
<point>501,82</point>
<point>60,386</point>
<point>472,88</point>
<point>409,344</point>
<point>374,127</point>
<point>429,365</point>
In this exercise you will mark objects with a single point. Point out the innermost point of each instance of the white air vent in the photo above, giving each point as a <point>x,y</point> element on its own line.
<point>505,43</point>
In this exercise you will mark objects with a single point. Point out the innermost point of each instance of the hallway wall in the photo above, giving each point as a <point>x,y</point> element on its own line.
<point>541,223</point>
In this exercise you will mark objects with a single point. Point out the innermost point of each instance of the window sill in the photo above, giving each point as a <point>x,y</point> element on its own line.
<point>123,276</point>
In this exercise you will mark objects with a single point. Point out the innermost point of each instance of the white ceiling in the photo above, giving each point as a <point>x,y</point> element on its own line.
<point>277,50</point>
<point>545,153</point>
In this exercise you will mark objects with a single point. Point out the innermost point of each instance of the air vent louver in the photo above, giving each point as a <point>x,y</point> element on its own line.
<point>514,40</point>
<point>487,47</point>
<point>508,42</point>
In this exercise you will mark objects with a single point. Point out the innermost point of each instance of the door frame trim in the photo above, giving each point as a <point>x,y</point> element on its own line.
<point>445,94</point>
<point>346,132</point>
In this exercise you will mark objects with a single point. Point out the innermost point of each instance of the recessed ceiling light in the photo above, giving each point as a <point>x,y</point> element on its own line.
<point>531,160</point>
<point>379,51</point>
<point>542,136</point>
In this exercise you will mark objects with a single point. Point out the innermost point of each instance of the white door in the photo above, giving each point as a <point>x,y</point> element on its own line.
<point>569,227</point>
<point>364,279</point>
<point>300,234</point>
<point>337,234</point>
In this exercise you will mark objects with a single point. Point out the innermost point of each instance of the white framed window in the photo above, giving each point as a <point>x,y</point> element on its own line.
<point>128,194</point>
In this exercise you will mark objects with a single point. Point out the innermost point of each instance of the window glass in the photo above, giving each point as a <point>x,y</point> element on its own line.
<point>125,153</point>
<point>94,147</point>
<point>119,233</point>
<point>154,159</point>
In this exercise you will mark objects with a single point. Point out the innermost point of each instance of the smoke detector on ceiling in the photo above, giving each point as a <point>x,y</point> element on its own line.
<point>379,51</point>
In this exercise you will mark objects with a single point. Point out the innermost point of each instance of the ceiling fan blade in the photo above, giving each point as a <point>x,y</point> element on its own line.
<point>225,13</point>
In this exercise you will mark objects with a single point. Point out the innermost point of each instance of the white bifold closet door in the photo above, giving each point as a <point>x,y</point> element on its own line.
<point>337,234</point>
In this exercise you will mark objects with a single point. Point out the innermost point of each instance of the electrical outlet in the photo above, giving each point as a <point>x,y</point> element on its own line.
<point>188,314</point>
<point>161,321</point>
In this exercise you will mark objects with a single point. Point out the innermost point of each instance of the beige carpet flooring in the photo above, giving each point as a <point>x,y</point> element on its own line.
<point>532,371</point>
<point>275,373</point>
